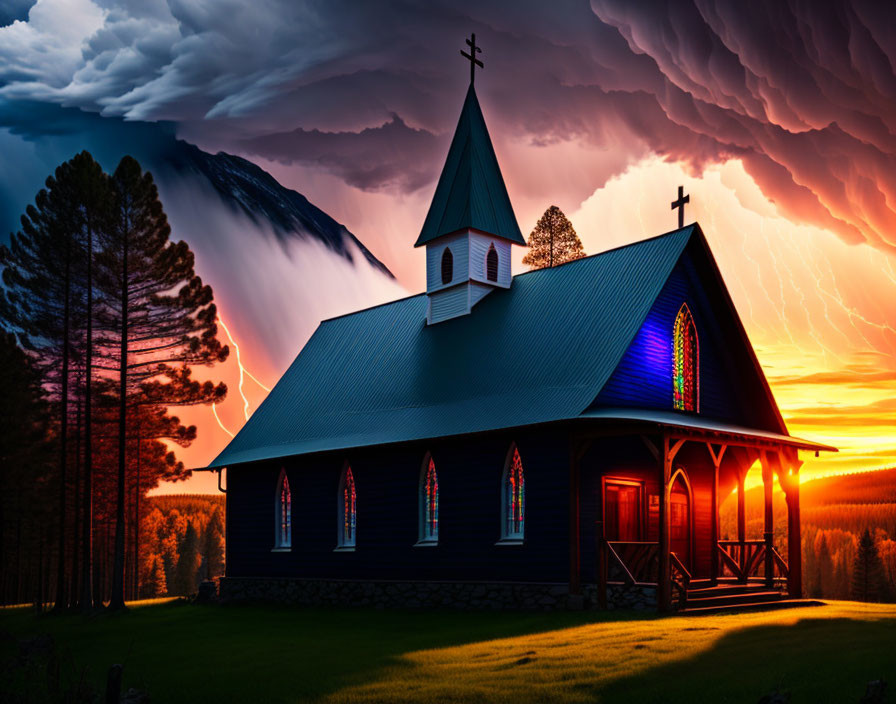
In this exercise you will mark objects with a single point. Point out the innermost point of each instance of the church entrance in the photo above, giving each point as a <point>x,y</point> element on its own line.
<point>680,518</point>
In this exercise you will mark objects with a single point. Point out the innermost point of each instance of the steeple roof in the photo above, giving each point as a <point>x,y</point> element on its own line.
<point>471,191</point>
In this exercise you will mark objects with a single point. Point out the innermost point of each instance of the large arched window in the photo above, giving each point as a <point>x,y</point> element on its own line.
<point>348,509</point>
<point>429,502</point>
<point>685,362</point>
<point>283,513</point>
<point>491,263</point>
<point>513,498</point>
<point>447,266</point>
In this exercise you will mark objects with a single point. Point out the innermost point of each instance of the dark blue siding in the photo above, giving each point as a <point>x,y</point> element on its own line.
<point>730,389</point>
<point>469,472</point>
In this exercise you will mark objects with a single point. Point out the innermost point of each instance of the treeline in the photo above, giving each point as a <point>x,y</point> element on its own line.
<point>102,319</point>
<point>184,544</point>
<point>848,533</point>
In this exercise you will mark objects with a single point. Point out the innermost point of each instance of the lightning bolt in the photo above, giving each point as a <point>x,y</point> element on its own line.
<point>220,424</point>
<point>782,313</point>
<point>243,371</point>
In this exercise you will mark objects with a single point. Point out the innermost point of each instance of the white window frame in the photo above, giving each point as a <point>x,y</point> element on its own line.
<point>508,538</point>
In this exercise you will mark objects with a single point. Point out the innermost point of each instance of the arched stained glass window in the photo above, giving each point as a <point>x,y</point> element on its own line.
<point>447,266</point>
<point>491,263</point>
<point>685,363</point>
<point>429,502</point>
<point>283,513</point>
<point>514,498</point>
<point>348,509</point>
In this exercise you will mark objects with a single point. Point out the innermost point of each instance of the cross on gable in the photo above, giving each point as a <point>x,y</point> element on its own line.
<point>474,62</point>
<point>682,199</point>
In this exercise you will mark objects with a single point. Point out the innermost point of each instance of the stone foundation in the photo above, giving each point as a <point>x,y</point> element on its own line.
<point>462,596</point>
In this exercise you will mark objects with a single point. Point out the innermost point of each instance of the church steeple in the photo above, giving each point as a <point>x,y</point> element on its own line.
<point>470,226</point>
<point>471,191</point>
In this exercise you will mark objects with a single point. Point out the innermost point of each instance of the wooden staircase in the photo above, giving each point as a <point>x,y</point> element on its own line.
<point>705,598</point>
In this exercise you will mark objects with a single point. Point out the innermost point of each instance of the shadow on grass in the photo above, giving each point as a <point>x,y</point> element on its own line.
<point>816,660</point>
<point>183,653</point>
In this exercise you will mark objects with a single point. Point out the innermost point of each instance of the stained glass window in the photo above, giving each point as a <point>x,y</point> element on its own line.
<point>686,361</point>
<point>284,513</point>
<point>514,498</point>
<point>429,503</point>
<point>491,263</point>
<point>348,510</point>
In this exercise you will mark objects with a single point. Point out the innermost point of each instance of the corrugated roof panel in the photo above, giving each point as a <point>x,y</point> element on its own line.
<point>471,191</point>
<point>539,351</point>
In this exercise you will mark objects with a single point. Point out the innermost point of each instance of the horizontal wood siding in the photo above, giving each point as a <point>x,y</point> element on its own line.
<point>479,245</point>
<point>478,292</point>
<point>450,303</point>
<point>460,250</point>
<point>727,381</point>
<point>387,483</point>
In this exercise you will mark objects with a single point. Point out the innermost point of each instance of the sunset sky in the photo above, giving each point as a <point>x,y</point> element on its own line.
<point>778,118</point>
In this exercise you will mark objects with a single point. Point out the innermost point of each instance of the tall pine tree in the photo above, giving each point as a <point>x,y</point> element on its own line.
<point>867,574</point>
<point>159,316</point>
<point>553,241</point>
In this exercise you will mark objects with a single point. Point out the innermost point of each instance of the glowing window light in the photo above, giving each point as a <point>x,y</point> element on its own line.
<point>429,497</point>
<point>686,361</point>
<point>515,498</point>
<point>284,513</point>
<point>348,523</point>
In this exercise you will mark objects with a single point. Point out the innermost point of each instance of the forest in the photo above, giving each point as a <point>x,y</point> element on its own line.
<point>836,512</point>
<point>102,322</point>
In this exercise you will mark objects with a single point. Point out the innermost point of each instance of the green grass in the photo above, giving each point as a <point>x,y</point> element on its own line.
<point>184,653</point>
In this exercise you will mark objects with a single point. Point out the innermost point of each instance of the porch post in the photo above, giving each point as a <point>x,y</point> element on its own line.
<point>794,545</point>
<point>768,482</point>
<point>664,577</point>
<point>714,527</point>
<point>741,521</point>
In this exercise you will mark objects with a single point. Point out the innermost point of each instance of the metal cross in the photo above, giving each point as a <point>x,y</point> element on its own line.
<point>682,199</point>
<point>474,62</point>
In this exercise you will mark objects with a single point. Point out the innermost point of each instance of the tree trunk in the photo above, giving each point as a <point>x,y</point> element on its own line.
<point>63,436</point>
<point>137,520</point>
<point>87,547</point>
<point>117,599</point>
<point>75,598</point>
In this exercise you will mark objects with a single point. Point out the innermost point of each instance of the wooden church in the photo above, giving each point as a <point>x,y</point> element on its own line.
<point>559,438</point>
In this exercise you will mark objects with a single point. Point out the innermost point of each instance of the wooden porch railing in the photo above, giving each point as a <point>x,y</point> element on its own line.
<point>633,562</point>
<point>638,563</point>
<point>751,558</point>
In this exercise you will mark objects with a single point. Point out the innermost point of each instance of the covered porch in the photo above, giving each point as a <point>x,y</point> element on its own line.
<point>645,493</point>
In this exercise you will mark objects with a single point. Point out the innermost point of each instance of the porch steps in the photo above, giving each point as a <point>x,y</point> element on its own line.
<point>706,599</point>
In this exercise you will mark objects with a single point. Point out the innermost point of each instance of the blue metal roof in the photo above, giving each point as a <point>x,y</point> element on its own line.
<point>537,352</point>
<point>471,191</point>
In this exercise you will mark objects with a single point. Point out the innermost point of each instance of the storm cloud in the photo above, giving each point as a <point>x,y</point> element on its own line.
<point>804,94</point>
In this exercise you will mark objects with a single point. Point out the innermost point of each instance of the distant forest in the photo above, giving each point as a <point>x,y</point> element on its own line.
<point>183,538</point>
<point>835,513</point>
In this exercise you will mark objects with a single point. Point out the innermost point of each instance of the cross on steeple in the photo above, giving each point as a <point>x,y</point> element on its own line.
<point>682,199</point>
<point>474,62</point>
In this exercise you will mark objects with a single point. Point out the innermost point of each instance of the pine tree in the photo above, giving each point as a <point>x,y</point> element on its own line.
<point>826,581</point>
<point>553,241</point>
<point>187,562</point>
<point>155,585</point>
<point>159,316</point>
<point>213,545</point>
<point>867,576</point>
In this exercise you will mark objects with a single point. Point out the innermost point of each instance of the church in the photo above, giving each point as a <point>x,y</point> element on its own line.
<point>561,438</point>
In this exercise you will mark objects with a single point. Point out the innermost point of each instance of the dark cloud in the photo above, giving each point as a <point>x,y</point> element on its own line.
<point>803,93</point>
<point>391,156</point>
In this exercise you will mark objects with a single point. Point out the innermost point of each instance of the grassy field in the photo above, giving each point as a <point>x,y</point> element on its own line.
<point>183,653</point>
